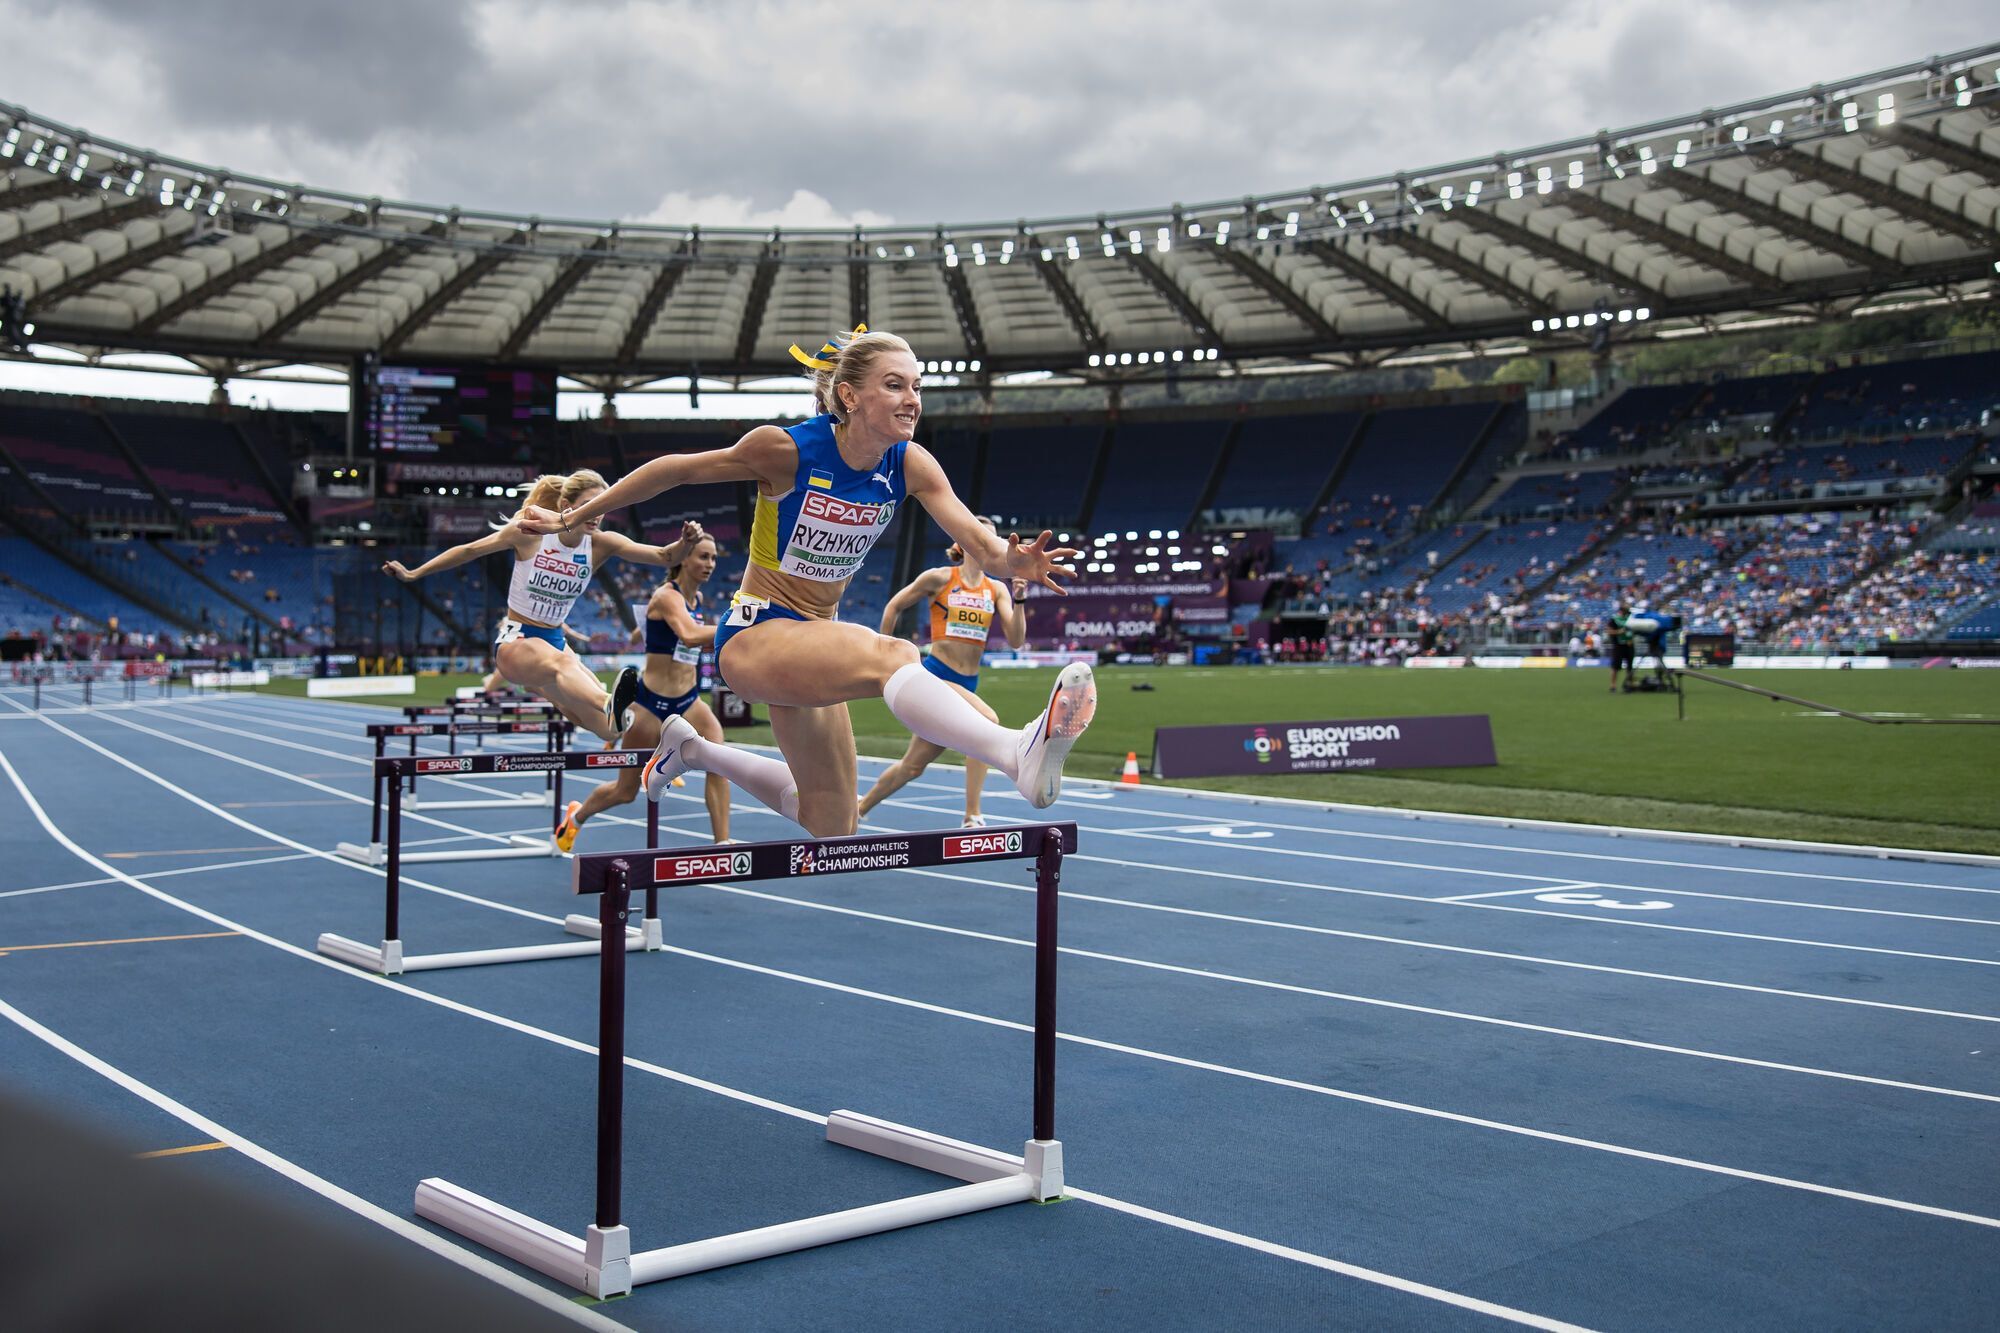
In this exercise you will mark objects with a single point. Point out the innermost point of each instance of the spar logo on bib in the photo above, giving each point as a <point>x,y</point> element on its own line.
<point>832,536</point>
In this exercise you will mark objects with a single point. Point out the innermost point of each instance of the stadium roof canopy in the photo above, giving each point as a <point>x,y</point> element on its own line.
<point>1863,192</point>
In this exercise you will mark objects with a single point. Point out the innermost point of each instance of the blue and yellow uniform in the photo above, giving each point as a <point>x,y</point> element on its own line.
<point>807,543</point>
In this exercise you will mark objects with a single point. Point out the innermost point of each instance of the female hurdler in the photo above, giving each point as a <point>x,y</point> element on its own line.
<point>669,686</point>
<point>826,489</point>
<point>965,604</point>
<point>549,574</point>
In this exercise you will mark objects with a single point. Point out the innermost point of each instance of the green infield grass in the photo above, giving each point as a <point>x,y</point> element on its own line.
<point>1569,749</point>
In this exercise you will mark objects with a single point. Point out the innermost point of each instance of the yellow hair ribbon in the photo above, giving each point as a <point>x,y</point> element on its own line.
<point>826,350</point>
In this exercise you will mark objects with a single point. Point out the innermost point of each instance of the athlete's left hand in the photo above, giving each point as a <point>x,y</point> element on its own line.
<point>1035,561</point>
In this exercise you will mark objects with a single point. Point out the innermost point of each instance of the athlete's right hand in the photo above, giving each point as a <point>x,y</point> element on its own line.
<point>395,569</point>
<point>539,521</point>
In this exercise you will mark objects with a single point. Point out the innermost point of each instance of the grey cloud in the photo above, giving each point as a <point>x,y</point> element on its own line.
<point>932,111</point>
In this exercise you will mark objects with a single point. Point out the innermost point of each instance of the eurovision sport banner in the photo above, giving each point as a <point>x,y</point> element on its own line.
<point>1458,741</point>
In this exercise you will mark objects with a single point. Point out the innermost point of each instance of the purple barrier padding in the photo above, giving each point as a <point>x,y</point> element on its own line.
<point>1201,610</point>
<point>1378,743</point>
<point>1089,620</point>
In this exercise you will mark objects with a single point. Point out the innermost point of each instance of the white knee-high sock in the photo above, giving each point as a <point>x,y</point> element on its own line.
<point>769,780</point>
<point>940,714</point>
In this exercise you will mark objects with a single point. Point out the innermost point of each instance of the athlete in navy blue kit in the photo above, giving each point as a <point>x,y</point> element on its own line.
<point>826,489</point>
<point>669,687</point>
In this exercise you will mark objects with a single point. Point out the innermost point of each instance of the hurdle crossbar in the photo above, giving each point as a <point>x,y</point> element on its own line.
<point>388,959</point>
<point>554,730</point>
<point>601,1262</point>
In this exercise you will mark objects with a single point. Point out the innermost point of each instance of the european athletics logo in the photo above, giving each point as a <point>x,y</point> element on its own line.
<point>1263,744</point>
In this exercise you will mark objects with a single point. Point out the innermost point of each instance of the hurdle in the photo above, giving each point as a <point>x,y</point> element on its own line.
<point>392,772</point>
<point>389,959</point>
<point>557,731</point>
<point>600,1262</point>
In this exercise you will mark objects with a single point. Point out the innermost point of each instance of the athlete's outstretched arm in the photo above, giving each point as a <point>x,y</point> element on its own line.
<point>766,456</point>
<point>1034,561</point>
<point>618,545</point>
<point>505,539</point>
<point>916,590</point>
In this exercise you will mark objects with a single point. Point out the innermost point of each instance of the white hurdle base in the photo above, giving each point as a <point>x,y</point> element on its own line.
<point>387,959</point>
<point>522,847</point>
<point>601,1264</point>
<point>648,929</point>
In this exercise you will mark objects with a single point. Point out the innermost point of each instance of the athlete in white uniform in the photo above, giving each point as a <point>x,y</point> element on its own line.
<point>550,572</point>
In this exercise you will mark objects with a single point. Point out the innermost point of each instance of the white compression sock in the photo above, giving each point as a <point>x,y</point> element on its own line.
<point>940,714</point>
<point>769,780</point>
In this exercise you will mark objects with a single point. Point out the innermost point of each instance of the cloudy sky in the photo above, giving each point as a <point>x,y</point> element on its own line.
<point>756,111</point>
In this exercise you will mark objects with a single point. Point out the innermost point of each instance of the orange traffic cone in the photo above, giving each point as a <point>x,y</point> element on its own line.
<point>1130,776</point>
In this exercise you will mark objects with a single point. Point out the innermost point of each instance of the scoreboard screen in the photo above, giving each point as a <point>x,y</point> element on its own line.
<point>1709,650</point>
<point>458,413</point>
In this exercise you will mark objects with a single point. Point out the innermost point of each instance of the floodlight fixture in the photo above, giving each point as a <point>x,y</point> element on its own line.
<point>1964,86</point>
<point>1513,185</point>
<point>1576,175</point>
<point>1885,109</point>
<point>1642,313</point>
<point>1545,180</point>
<point>1850,116</point>
<point>1681,152</point>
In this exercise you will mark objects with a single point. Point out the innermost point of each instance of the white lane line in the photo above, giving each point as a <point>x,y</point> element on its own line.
<point>159,874</point>
<point>1515,893</point>
<point>1369,1275</point>
<point>1591,830</point>
<point>1296,852</point>
<point>1273,1080</point>
<point>1597,919</point>
<point>316,853</point>
<point>460,830</point>
<point>1428,1011</point>
<point>299,1175</point>
<point>1673,978</point>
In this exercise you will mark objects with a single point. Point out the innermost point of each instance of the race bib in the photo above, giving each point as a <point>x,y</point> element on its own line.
<point>968,614</point>
<point>743,610</point>
<point>687,654</point>
<point>832,537</point>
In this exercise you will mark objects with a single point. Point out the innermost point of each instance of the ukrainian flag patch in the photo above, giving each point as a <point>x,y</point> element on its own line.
<point>823,480</point>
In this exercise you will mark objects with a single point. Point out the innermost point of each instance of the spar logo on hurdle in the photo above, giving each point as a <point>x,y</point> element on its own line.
<point>701,865</point>
<point>958,846</point>
<point>810,857</point>
<point>614,759</point>
<point>444,766</point>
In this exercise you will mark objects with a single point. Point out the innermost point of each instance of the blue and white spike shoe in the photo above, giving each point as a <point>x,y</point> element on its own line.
<point>666,765</point>
<point>1045,743</point>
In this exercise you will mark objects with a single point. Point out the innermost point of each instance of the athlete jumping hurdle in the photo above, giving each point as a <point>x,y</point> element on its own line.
<point>826,490</point>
